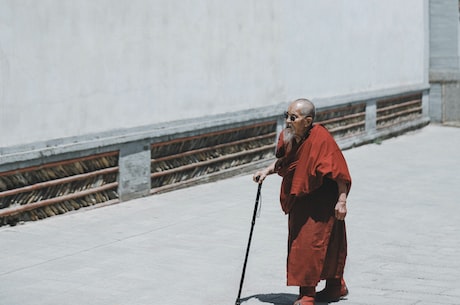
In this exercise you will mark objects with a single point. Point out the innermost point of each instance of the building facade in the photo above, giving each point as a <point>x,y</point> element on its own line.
<point>104,101</point>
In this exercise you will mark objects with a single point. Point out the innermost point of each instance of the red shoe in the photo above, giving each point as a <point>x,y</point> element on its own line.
<point>305,300</point>
<point>332,293</point>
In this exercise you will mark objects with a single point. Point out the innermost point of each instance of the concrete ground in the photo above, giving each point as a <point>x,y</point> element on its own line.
<point>188,246</point>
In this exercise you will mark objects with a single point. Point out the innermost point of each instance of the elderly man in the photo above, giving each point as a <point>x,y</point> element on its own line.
<point>313,193</point>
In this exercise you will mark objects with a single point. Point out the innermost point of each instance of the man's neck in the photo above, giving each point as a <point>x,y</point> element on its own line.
<point>299,139</point>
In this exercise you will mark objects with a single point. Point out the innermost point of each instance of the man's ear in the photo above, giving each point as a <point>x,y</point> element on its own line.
<point>309,120</point>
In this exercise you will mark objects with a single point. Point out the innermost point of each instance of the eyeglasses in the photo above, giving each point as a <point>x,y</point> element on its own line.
<point>292,117</point>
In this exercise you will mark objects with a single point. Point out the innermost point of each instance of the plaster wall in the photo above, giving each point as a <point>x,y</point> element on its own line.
<point>72,68</point>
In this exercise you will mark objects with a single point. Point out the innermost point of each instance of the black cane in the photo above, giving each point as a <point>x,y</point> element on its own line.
<point>254,215</point>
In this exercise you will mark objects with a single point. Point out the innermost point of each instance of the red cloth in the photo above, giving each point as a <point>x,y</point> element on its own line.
<point>304,166</point>
<point>317,245</point>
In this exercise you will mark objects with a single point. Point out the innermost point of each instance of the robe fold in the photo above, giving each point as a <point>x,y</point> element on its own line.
<point>317,245</point>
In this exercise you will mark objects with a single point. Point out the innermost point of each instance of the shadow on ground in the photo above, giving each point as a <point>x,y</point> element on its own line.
<point>276,298</point>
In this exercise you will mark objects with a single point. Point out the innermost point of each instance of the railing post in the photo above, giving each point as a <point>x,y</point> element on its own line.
<point>425,104</point>
<point>134,174</point>
<point>371,117</point>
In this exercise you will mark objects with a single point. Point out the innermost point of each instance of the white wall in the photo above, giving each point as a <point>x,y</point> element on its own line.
<point>69,68</point>
<point>342,47</point>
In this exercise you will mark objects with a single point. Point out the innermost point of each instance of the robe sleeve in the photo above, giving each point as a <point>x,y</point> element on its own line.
<point>334,166</point>
<point>280,150</point>
<point>319,157</point>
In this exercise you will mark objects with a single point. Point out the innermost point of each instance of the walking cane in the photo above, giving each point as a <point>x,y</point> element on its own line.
<point>254,215</point>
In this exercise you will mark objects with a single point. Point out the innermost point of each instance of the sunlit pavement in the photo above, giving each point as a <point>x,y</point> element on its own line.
<point>188,246</point>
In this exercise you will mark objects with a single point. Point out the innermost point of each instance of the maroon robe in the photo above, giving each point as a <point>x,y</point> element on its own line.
<point>317,245</point>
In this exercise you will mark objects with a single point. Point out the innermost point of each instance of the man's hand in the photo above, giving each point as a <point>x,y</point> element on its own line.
<point>341,205</point>
<point>341,210</point>
<point>260,176</point>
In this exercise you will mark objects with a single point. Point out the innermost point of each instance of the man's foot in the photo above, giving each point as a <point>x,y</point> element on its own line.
<point>305,300</point>
<point>333,292</point>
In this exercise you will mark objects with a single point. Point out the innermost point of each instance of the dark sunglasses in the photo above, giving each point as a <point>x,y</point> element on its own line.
<point>292,117</point>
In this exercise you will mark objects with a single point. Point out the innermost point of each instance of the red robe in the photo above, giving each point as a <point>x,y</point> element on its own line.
<point>317,245</point>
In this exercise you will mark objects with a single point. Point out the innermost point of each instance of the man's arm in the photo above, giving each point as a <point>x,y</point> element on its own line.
<point>341,206</point>
<point>260,176</point>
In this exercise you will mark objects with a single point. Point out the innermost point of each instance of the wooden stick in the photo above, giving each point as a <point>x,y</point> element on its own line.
<point>213,133</point>
<point>203,150</point>
<point>58,163</point>
<point>43,203</point>
<point>55,182</point>
<point>207,162</point>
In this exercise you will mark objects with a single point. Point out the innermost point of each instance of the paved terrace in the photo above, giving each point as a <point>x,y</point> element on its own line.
<point>187,247</point>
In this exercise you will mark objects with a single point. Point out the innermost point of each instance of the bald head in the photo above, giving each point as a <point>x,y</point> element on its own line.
<point>304,106</point>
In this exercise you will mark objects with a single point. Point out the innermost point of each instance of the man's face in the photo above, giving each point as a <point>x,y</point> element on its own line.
<point>296,123</point>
